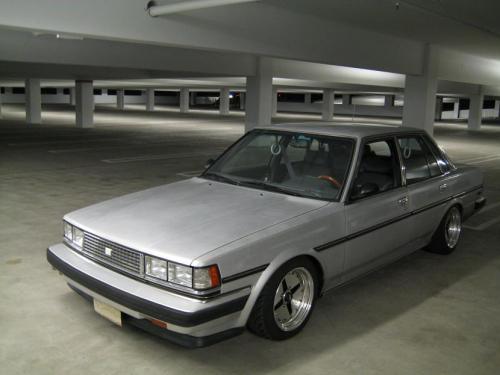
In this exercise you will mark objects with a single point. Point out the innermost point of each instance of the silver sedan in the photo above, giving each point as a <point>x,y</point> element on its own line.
<point>283,215</point>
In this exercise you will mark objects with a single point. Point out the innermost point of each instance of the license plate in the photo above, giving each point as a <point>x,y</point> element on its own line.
<point>108,312</point>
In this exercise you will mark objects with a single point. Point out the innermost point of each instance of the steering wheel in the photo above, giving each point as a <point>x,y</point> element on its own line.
<point>331,180</point>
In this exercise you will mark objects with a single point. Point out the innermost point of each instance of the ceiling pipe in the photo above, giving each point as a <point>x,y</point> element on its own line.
<point>155,10</point>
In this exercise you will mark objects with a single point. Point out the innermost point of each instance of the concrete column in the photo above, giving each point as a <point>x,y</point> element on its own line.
<point>439,108</point>
<point>84,104</point>
<point>72,96</point>
<point>476,110</point>
<point>346,99</point>
<point>224,101</point>
<point>33,100</point>
<point>456,109</point>
<point>259,95</point>
<point>184,100</point>
<point>275,101</point>
<point>420,95</point>
<point>328,102</point>
<point>150,99</point>
<point>389,100</point>
<point>307,98</point>
<point>120,99</point>
<point>242,100</point>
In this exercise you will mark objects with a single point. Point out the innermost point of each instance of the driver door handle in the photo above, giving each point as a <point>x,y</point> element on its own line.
<point>443,187</point>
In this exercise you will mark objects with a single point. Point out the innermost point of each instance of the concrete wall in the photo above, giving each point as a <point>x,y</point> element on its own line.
<point>464,114</point>
<point>341,109</point>
<point>9,97</point>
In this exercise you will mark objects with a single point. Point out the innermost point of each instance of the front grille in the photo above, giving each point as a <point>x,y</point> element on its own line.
<point>112,254</point>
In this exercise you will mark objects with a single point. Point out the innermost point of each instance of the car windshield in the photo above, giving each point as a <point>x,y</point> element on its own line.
<point>292,163</point>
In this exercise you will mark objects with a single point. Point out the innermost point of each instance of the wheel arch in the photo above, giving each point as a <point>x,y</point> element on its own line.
<point>275,265</point>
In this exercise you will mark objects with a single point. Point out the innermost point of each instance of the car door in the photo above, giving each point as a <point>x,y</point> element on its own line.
<point>377,209</point>
<point>429,187</point>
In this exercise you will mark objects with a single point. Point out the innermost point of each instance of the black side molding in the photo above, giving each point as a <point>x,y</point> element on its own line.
<point>362,232</point>
<point>246,273</point>
<point>167,314</point>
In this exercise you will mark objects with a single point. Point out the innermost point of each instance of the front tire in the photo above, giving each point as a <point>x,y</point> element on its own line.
<point>286,301</point>
<point>447,236</point>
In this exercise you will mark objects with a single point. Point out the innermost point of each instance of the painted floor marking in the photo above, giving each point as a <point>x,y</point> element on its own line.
<point>140,158</point>
<point>488,223</point>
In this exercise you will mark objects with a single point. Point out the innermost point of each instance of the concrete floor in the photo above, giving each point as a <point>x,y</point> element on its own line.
<point>425,314</point>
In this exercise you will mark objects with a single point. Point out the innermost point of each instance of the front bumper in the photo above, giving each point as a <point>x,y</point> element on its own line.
<point>190,322</point>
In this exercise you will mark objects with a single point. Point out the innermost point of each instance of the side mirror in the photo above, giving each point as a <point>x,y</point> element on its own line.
<point>365,190</point>
<point>209,163</point>
<point>368,189</point>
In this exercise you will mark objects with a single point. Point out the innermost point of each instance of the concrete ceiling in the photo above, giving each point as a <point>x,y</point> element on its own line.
<point>464,25</point>
<point>364,43</point>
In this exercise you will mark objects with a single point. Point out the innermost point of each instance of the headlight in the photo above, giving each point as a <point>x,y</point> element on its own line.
<point>73,234</point>
<point>179,274</point>
<point>68,231</point>
<point>156,267</point>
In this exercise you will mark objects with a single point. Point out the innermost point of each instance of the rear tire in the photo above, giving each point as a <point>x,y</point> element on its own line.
<point>286,301</point>
<point>447,236</point>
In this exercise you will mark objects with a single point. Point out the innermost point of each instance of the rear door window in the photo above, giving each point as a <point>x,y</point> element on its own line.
<point>419,162</point>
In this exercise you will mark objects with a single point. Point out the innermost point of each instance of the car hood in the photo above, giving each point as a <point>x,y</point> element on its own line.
<point>186,219</point>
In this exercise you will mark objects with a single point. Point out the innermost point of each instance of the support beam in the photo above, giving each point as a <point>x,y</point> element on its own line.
<point>476,110</point>
<point>456,109</point>
<point>33,99</point>
<point>150,99</point>
<point>242,100</point>
<point>328,103</point>
<point>439,108</point>
<point>224,101</point>
<point>275,101</point>
<point>192,98</point>
<point>72,96</point>
<point>84,104</point>
<point>307,98</point>
<point>389,100</point>
<point>184,100</point>
<point>259,95</point>
<point>120,99</point>
<point>346,99</point>
<point>420,95</point>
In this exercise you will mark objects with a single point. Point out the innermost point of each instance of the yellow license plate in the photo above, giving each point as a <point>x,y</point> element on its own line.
<point>108,312</point>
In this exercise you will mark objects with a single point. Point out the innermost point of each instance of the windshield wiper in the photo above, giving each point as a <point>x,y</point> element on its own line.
<point>220,177</point>
<point>271,187</point>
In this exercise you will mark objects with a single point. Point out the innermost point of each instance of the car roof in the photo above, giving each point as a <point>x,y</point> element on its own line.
<point>353,130</point>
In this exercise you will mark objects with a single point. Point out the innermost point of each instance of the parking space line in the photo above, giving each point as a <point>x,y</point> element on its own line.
<point>487,223</point>
<point>485,160</point>
<point>157,157</point>
<point>484,225</point>
<point>467,160</point>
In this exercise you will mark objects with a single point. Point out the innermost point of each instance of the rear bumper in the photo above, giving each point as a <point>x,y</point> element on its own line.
<point>190,322</point>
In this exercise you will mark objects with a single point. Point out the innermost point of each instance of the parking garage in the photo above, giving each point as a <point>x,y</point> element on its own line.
<point>93,110</point>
